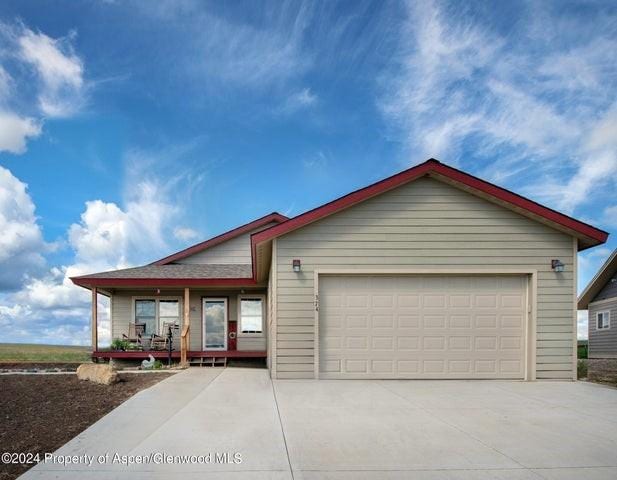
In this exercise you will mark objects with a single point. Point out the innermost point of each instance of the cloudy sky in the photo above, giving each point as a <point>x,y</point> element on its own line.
<point>129,130</point>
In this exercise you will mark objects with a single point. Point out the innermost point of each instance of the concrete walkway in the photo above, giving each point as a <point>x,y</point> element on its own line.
<point>345,430</point>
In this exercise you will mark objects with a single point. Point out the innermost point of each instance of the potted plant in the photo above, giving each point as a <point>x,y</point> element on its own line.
<point>119,345</point>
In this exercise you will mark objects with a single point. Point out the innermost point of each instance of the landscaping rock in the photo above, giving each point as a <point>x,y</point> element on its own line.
<point>97,373</point>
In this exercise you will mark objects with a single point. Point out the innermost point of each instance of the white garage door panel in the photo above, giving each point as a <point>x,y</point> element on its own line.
<point>422,327</point>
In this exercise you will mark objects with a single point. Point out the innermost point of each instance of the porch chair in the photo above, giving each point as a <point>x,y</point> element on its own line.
<point>175,338</point>
<point>160,342</point>
<point>136,332</point>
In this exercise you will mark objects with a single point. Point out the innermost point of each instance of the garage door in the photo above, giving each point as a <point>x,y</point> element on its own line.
<point>422,326</point>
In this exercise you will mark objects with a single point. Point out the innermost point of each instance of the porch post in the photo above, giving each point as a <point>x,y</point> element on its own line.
<point>94,319</point>
<point>186,322</point>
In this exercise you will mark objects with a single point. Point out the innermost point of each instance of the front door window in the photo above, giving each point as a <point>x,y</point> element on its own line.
<point>215,323</point>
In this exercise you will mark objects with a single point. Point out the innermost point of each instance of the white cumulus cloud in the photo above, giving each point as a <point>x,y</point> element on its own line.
<point>21,240</point>
<point>45,306</point>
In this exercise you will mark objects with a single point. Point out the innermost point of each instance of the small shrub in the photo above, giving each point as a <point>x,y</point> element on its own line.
<point>157,365</point>
<point>119,344</point>
<point>581,369</point>
<point>582,351</point>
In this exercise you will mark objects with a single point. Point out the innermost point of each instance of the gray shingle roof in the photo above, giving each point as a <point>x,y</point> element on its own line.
<point>178,271</point>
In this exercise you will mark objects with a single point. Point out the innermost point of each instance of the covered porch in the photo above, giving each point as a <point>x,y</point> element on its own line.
<point>179,318</point>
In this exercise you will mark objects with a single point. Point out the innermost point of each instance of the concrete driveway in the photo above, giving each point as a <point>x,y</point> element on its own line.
<point>351,430</point>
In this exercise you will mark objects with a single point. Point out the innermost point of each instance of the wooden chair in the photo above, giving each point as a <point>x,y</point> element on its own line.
<point>136,331</point>
<point>175,339</point>
<point>160,342</point>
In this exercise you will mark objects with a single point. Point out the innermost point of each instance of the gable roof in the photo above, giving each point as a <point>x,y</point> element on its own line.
<point>163,272</point>
<point>598,282</point>
<point>273,217</point>
<point>588,235</point>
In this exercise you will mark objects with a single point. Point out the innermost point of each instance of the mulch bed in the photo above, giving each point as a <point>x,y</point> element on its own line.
<point>40,413</point>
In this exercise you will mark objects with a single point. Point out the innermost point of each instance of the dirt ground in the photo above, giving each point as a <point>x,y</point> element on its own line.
<point>40,413</point>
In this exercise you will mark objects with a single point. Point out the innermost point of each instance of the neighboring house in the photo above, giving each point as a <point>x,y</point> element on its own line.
<point>430,273</point>
<point>600,299</point>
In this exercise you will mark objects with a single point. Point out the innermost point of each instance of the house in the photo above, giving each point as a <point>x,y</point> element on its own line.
<point>600,299</point>
<point>430,273</point>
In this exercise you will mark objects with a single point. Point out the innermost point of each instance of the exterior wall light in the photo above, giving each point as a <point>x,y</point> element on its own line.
<point>557,265</point>
<point>297,265</point>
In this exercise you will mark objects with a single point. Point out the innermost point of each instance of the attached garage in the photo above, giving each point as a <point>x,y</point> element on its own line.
<point>423,326</point>
<point>431,273</point>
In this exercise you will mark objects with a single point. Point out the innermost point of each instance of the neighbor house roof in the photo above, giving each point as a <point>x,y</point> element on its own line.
<point>169,275</point>
<point>273,217</point>
<point>599,281</point>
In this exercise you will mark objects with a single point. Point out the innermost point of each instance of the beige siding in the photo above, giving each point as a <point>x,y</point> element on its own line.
<point>272,324</point>
<point>122,315</point>
<point>234,251</point>
<point>425,224</point>
<point>243,343</point>
<point>270,315</point>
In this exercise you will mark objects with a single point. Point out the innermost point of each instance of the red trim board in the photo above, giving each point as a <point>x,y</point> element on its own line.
<point>271,217</point>
<point>426,168</point>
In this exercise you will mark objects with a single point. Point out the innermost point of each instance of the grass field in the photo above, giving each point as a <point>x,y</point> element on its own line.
<point>32,353</point>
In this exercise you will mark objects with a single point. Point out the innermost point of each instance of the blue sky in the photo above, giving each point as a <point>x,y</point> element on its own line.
<point>129,130</point>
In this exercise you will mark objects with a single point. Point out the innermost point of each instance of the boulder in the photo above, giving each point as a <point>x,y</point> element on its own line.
<point>97,373</point>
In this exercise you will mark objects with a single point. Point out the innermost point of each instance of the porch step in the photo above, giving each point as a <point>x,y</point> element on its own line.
<point>208,362</point>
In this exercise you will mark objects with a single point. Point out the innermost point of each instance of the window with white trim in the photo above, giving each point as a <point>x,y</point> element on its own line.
<point>250,315</point>
<point>603,320</point>
<point>169,312</point>
<point>145,312</point>
<point>156,312</point>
